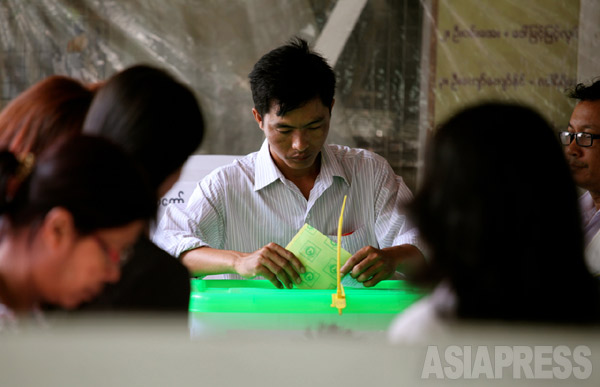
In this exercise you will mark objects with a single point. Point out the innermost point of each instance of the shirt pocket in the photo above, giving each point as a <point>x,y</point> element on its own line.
<point>359,238</point>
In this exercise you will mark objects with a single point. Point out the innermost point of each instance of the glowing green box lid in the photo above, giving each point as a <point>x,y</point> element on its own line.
<point>260,296</point>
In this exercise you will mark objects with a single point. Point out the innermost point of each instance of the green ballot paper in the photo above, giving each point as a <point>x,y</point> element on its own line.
<point>318,253</point>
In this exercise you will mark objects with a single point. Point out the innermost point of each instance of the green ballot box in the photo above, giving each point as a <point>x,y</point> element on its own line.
<point>257,305</point>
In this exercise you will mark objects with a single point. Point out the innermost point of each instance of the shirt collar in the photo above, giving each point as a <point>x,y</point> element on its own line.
<point>266,172</point>
<point>587,207</point>
<point>330,166</point>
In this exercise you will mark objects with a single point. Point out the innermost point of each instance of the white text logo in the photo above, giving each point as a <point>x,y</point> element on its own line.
<point>495,362</point>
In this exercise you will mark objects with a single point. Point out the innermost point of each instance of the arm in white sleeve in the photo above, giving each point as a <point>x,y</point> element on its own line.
<point>200,223</point>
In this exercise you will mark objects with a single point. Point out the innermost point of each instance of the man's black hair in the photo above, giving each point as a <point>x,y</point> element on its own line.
<point>590,92</point>
<point>289,76</point>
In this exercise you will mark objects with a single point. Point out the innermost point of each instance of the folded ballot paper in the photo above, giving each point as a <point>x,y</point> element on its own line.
<point>318,253</point>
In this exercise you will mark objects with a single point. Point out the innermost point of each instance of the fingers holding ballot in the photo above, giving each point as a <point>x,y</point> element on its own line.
<point>272,262</point>
<point>370,265</point>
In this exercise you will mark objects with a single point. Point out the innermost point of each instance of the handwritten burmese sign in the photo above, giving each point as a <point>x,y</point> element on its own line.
<point>511,50</point>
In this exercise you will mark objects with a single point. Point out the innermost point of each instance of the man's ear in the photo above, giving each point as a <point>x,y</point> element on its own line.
<point>258,118</point>
<point>58,229</point>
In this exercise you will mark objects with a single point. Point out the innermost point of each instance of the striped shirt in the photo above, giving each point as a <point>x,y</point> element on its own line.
<point>589,216</point>
<point>247,204</point>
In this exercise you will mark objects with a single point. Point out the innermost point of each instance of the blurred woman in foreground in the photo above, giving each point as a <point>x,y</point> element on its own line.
<point>498,212</point>
<point>67,227</point>
<point>158,121</point>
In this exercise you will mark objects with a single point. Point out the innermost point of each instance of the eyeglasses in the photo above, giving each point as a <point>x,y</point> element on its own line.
<point>582,139</point>
<point>115,256</point>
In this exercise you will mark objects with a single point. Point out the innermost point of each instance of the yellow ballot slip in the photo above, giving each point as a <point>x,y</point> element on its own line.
<point>318,253</point>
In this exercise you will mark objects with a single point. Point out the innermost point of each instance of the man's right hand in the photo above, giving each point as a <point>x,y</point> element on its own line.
<point>274,263</point>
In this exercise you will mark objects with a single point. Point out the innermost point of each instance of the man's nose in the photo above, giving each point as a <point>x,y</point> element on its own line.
<point>573,148</point>
<point>300,140</point>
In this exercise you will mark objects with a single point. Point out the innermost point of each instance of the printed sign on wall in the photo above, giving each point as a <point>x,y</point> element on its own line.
<point>506,50</point>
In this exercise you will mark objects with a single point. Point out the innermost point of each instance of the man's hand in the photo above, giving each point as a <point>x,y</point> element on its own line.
<point>274,263</point>
<point>370,265</point>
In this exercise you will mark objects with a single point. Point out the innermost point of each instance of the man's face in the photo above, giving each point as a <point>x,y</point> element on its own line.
<point>585,161</point>
<point>296,138</point>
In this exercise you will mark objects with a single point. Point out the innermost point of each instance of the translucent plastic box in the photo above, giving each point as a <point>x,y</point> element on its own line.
<point>242,305</point>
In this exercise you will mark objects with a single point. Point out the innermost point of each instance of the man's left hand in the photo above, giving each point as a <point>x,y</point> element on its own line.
<point>370,265</point>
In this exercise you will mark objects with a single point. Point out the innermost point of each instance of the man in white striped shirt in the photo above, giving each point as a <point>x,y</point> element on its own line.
<point>240,216</point>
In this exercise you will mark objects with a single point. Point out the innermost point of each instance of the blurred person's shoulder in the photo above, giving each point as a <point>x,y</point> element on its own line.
<point>426,320</point>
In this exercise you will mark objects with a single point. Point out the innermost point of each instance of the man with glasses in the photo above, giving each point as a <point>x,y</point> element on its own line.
<point>582,149</point>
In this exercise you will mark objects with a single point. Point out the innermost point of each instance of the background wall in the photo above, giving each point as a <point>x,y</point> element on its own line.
<point>212,46</point>
<point>402,65</point>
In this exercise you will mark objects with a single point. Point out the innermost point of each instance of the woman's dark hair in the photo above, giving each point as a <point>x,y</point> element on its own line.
<point>151,115</point>
<point>50,109</point>
<point>94,179</point>
<point>498,209</point>
<point>290,76</point>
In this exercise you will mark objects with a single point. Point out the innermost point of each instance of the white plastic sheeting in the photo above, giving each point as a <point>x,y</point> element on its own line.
<point>402,65</point>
